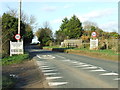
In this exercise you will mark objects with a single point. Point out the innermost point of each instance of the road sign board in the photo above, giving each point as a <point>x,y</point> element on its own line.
<point>16,48</point>
<point>94,34</point>
<point>17,36</point>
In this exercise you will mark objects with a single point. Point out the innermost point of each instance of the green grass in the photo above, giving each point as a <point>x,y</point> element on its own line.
<point>8,82</point>
<point>107,52</point>
<point>14,59</point>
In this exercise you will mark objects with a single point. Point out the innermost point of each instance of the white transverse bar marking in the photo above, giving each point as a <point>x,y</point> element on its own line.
<point>50,73</point>
<point>44,66</point>
<point>57,83</point>
<point>90,67</point>
<point>108,74</point>
<point>98,70</point>
<point>48,70</point>
<point>117,79</point>
<point>50,78</point>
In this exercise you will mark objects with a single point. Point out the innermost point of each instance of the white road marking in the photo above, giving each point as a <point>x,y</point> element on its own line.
<point>66,60</point>
<point>60,56</point>
<point>108,74</point>
<point>57,83</point>
<point>86,65</point>
<point>50,78</point>
<point>77,66</point>
<point>38,56</point>
<point>44,66</point>
<point>74,62</point>
<point>98,70</point>
<point>46,57</point>
<point>50,74</point>
<point>48,70</point>
<point>116,79</point>
<point>93,67</point>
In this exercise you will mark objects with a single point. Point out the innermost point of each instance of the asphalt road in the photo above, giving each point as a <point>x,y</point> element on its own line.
<point>64,70</point>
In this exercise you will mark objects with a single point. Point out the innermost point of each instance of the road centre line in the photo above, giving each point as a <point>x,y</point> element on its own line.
<point>57,83</point>
<point>50,78</point>
<point>109,74</point>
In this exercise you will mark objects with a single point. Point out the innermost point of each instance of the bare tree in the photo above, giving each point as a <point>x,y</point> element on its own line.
<point>87,25</point>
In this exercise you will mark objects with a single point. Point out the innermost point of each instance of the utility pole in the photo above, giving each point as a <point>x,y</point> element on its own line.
<point>19,17</point>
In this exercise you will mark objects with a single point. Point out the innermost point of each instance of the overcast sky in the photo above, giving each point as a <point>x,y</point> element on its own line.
<point>102,12</point>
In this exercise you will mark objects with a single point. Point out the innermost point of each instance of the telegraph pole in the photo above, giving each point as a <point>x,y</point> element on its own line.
<point>19,17</point>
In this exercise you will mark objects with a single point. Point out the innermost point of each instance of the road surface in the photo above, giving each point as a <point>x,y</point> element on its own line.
<point>64,70</point>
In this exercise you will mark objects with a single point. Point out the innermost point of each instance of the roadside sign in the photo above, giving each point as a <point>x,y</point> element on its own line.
<point>16,48</point>
<point>93,44</point>
<point>17,36</point>
<point>94,34</point>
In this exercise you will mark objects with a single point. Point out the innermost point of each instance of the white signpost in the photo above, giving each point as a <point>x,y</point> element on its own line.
<point>16,48</point>
<point>93,42</point>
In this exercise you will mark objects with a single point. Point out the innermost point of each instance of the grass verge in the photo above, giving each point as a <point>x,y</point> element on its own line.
<point>8,82</point>
<point>15,59</point>
<point>103,54</point>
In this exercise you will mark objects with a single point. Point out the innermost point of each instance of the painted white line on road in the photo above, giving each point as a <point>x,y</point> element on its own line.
<point>57,83</point>
<point>74,62</point>
<point>86,65</point>
<point>60,56</point>
<point>46,57</point>
<point>66,60</point>
<point>50,78</point>
<point>38,56</point>
<point>77,66</point>
<point>81,63</point>
<point>50,74</point>
<point>109,74</point>
<point>94,67</point>
<point>44,66</point>
<point>48,70</point>
<point>98,70</point>
<point>116,79</point>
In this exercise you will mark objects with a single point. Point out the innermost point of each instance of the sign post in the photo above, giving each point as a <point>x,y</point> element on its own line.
<point>94,41</point>
<point>17,47</point>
